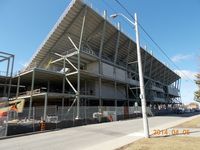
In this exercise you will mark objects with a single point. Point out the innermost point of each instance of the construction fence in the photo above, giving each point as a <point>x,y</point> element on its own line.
<point>58,117</point>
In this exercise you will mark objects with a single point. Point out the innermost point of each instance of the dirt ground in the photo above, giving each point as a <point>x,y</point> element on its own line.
<point>171,142</point>
<point>165,143</point>
<point>194,123</point>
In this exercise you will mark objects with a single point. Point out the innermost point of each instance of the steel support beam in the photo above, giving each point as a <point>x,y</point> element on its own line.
<point>6,53</point>
<point>11,74</point>
<point>71,85</point>
<point>100,58</point>
<point>31,96</point>
<point>18,84</point>
<point>127,84</point>
<point>71,73</point>
<point>115,59</point>
<point>63,87</point>
<point>117,43</point>
<point>71,64</point>
<point>7,73</point>
<point>73,43</point>
<point>78,68</point>
<point>4,59</point>
<point>144,63</point>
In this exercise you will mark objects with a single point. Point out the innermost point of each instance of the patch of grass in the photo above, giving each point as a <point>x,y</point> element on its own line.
<point>194,123</point>
<point>165,143</point>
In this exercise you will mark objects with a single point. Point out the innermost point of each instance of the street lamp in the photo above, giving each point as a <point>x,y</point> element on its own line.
<point>141,78</point>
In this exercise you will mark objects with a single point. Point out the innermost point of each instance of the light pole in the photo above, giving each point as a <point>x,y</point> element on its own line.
<point>141,77</point>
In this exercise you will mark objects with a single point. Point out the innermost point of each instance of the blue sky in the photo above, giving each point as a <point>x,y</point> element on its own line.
<point>174,25</point>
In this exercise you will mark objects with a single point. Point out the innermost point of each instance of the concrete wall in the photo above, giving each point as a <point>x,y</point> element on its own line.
<point>93,67</point>
<point>120,74</point>
<point>108,91</point>
<point>91,88</point>
<point>121,92</point>
<point>157,89</point>
<point>157,99</point>
<point>107,70</point>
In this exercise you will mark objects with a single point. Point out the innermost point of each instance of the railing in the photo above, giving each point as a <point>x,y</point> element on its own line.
<point>83,49</point>
<point>4,73</point>
<point>88,51</point>
<point>90,92</point>
<point>27,93</point>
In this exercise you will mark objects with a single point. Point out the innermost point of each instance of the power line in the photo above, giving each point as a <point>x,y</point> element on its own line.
<point>148,35</point>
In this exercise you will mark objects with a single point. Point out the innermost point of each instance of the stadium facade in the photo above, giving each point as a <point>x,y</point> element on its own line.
<point>87,61</point>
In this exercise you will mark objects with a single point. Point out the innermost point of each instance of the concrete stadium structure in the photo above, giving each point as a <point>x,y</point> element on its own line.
<point>86,60</point>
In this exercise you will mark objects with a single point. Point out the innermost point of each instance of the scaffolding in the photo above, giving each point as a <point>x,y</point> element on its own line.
<point>7,74</point>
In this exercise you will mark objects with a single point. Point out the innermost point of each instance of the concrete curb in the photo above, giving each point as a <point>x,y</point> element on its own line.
<point>26,134</point>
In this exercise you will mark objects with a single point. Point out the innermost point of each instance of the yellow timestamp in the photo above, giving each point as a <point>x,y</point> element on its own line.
<point>171,132</point>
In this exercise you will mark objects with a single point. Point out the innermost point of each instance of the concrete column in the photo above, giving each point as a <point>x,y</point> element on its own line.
<point>100,60</point>
<point>31,96</point>
<point>116,106</point>
<point>63,92</point>
<point>18,84</point>
<point>45,106</point>
<point>11,74</point>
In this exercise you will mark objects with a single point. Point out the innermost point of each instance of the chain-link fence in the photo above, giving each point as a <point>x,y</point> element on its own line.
<point>3,126</point>
<point>58,117</point>
<point>3,116</point>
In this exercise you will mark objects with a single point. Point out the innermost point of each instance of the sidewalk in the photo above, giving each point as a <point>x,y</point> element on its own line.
<point>119,142</point>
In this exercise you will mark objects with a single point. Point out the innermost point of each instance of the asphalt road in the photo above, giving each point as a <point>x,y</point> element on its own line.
<point>84,137</point>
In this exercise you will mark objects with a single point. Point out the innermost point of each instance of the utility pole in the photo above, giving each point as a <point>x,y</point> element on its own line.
<point>141,80</point>
<point>140,71</point>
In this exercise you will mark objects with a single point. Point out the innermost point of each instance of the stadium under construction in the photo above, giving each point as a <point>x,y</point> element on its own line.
<point>87,61</point>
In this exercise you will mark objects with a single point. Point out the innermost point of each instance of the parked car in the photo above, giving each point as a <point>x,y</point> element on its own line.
<point>187,110</point>
<point>180,111</point>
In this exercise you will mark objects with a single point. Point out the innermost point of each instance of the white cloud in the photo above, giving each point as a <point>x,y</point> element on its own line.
<point>187,91</point>
<point>186,74</point>
<point>180,57</point>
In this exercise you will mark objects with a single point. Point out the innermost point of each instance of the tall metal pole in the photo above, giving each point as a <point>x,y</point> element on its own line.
<point>78,69</point>
<point>141,80</point>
